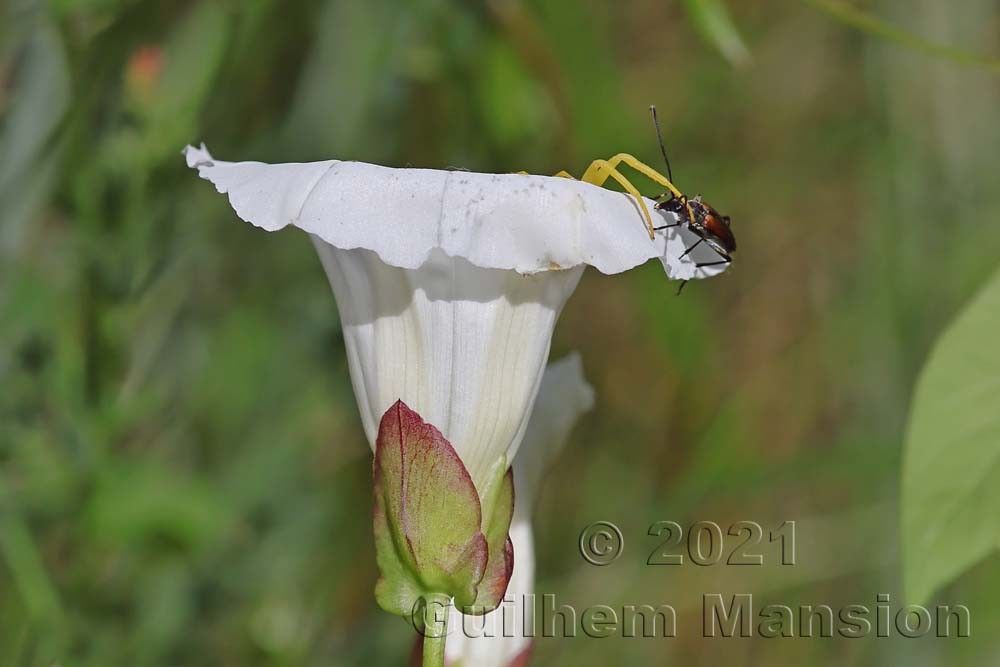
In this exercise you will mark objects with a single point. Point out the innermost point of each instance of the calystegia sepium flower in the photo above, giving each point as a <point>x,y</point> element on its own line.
<point>448,285</point>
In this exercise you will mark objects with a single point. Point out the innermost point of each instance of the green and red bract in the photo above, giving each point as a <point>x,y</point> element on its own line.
<point>498,505</point>
<point>430,537</point>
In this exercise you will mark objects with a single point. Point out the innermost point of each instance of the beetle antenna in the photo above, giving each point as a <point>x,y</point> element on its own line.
<point>659,137</point>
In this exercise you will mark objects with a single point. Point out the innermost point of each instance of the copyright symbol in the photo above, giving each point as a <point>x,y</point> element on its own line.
<point>601,543</point>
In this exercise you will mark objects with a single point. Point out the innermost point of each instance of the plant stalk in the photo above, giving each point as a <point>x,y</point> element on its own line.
<point>435,629</point>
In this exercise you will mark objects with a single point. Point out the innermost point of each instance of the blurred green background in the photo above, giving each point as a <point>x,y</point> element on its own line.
<point>183,476</point>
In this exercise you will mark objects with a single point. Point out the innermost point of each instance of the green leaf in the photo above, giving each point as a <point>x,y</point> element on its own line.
<point>712,21</point>
<point>428,537</point>
<point>951,467</point>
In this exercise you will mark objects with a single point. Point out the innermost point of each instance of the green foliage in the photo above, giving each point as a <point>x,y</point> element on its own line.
<point>183,477</point>
<point>38,102</point>
<point>712,20</point>
<point>868,23</point>
<point>145,507</point>
<point>951,473</point>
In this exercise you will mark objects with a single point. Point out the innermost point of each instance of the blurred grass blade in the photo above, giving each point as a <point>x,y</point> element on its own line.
<point>715,25</point>
<point>876,27</point>
<point>38,102</point>
<point>340,80</point>
<point>18,549</point>
<point>192,58</point>
<point>951,467</point>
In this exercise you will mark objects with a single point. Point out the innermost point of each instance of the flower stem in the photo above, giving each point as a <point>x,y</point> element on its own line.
<point>435,629</point>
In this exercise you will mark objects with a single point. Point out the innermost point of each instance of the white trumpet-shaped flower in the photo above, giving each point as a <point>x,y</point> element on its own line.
<point>463,346</point>
<point>449,283</point>
<point>503,636</point>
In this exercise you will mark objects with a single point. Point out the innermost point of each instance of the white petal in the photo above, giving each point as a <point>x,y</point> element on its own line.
<point>463,346</point>
<point>268,195</point>
<point>565,395</point>
<point>503,221</point>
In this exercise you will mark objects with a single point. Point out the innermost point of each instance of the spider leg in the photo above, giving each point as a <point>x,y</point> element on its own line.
<point>601,170</point>
<point>652,175</point>
<point>561,174</point>
<point>645,170</point>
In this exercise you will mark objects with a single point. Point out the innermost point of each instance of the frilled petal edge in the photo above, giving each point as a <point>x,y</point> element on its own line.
<point>502,221</point>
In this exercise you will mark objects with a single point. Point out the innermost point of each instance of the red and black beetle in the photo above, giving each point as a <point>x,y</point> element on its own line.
<point>711,228</point>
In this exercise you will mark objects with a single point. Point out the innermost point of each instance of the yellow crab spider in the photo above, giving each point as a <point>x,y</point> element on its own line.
<point>600,171</point>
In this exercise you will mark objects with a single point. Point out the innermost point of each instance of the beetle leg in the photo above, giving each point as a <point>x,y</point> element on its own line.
<point>727,260</point>
<point>698,243</point>
<point>674,205</point>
